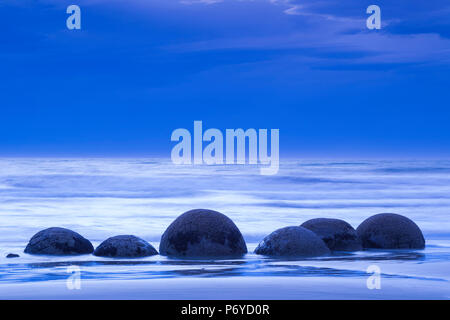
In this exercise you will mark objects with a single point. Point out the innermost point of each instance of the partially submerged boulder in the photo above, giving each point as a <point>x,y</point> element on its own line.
<point>58,241</point>
<point>12,255</point>
<point>337,234</point>
<point>292,241</point>
<point>390,231</point>
<point>202,233</point>
<point>125,246</point>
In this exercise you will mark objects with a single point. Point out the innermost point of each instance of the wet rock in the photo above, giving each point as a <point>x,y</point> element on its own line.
<point>202,233</point>
<point>390,231</point>
<point>337,234</point>
<point>292,241</point>
<point>12,255</point>
<point>58,241</point>
<point>125,246</point>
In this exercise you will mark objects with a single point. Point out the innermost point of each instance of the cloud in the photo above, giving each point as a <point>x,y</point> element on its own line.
<point>328,29</point>
<point>323,30</point>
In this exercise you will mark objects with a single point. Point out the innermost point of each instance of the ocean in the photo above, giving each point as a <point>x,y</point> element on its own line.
<point>101,197</point>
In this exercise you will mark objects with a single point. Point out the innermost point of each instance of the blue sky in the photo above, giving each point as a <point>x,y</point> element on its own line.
<point>140,69</point>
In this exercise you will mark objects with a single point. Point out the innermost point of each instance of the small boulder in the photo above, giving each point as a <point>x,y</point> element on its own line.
<point>292,241</point>
<point>390,231</point>
<point>125,246</point>
<point>202,233</point>
<point>12,255</point>
<point>337,234</point>
<point>58,241</point>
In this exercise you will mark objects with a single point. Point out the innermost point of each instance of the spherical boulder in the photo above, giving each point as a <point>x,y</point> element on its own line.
<point>58,241</point>
<point>292,241</point>
<point>202,233</point>
<point>337,234</point>
<point>390,231</point>
<point>125,246</point>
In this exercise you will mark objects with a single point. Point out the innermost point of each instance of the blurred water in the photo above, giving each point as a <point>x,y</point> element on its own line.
<point>104,197</point>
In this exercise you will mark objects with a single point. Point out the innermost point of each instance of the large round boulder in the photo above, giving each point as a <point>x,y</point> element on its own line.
<point>202,233</point>
<point>337,234</point>
<point>292,241</point>
<point>390,231</point>
<point>58,241</point>
<point>125,246</point>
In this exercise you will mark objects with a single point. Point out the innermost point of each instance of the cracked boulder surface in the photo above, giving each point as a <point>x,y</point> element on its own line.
<point>390,231</point>
<point>125,246</point>
<point>202,233</point>
<point>337,234</point>
<point>292,241</point>
<point>58,241</point>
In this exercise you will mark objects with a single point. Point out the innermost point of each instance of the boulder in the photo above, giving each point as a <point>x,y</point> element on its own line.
<point>292,241</point>
<point>125,246</point>
<point>390,231</point>
<point>58,241</point>
<point>337,234</point>
<point>12,255</point>
<point>202,233</point>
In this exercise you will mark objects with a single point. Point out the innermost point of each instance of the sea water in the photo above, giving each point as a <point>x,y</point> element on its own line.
<point>99,198</point>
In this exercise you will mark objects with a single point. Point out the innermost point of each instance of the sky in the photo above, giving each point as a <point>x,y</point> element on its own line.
<point>137,70</point>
